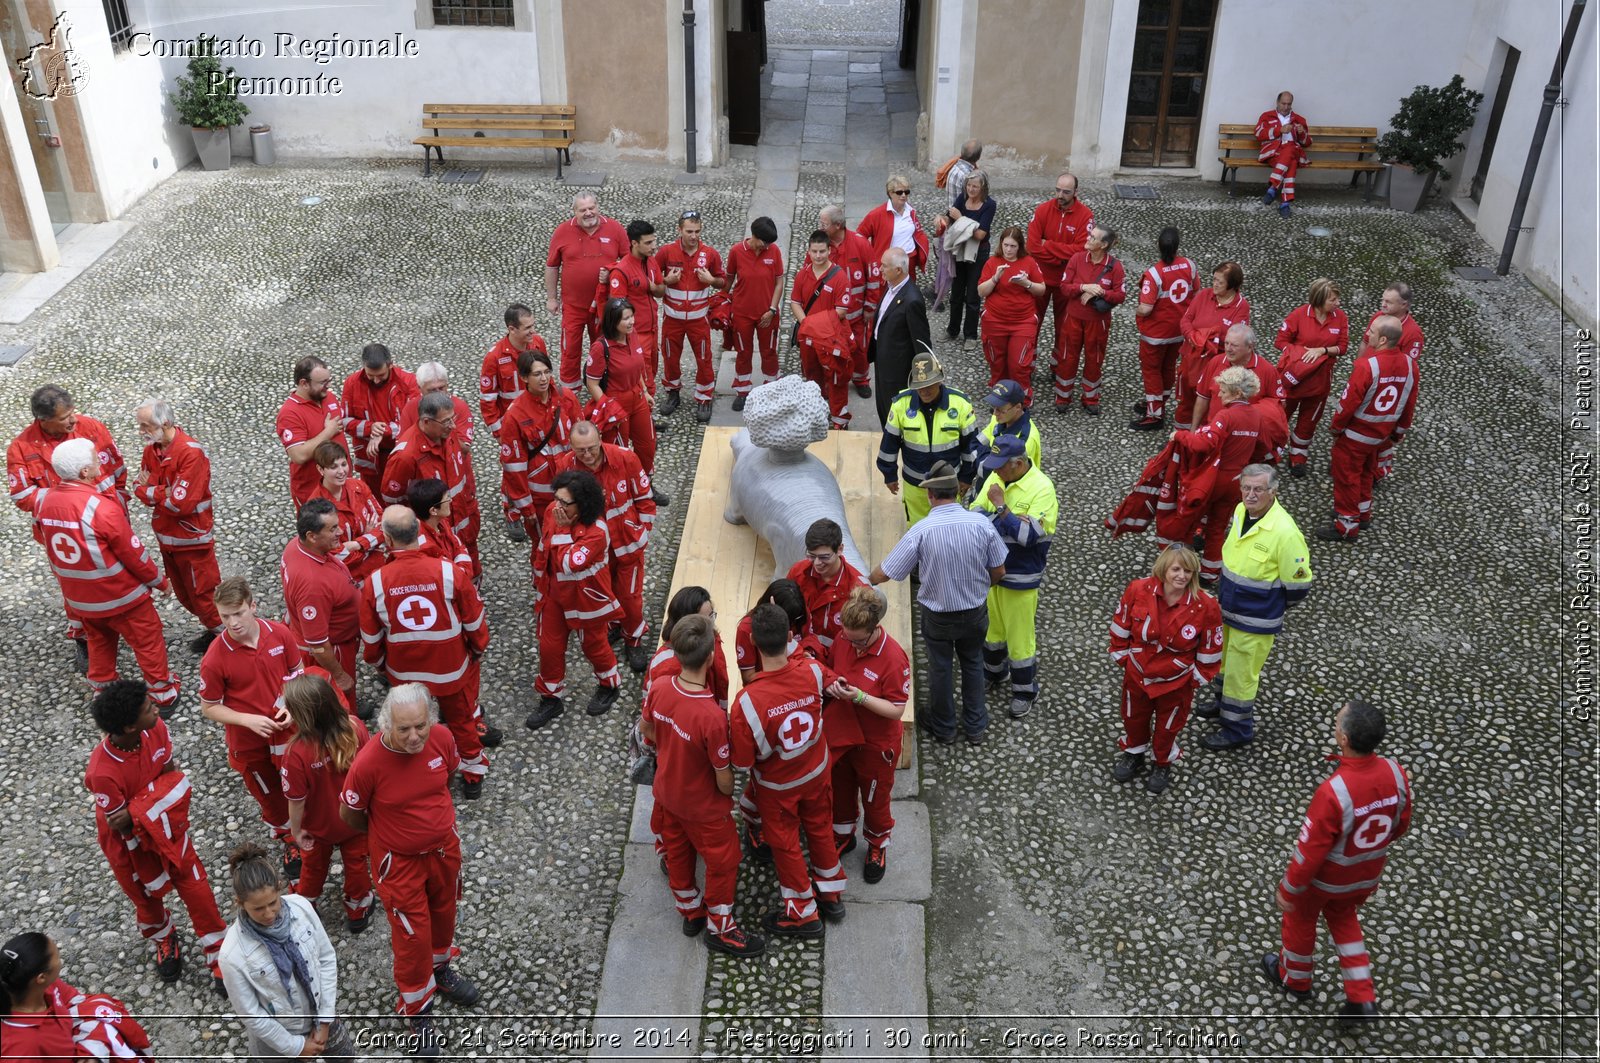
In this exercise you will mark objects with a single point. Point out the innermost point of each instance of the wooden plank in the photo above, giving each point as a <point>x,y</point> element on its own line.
<point>500,108</point>
<point>495,142</point>
<point>1232,129</point>
<point>557,124</point>
<point>1240,162</point>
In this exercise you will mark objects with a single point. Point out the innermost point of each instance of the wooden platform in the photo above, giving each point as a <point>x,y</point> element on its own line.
<point>735,565</point>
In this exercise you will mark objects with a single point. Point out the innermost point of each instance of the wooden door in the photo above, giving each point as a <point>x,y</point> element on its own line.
<point>1171,50</point>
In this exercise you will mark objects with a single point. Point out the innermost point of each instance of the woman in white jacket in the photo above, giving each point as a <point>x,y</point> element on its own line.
<point>280,967</point>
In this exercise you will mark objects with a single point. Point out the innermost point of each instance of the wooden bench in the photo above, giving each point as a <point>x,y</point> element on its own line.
<point>498,125</point>
<point>1333,147</point>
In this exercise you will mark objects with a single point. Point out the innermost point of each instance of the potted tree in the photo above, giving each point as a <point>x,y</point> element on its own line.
<point>1423,134</point>
<point>207,101</point>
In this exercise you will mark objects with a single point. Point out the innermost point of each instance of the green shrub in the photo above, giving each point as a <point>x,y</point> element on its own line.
<point>1428,127</point>
<point>208,98</point>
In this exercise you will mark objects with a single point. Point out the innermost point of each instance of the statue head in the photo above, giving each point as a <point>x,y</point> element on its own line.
<point>788,413</point>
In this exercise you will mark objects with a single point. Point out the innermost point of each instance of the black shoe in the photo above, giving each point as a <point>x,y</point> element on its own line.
<point>1145,424</point>
<point>846,846</point>
<point>601,701</point>
<point>219,987</point>
<point>780,924</point>
<point>877,863</point>
<point>80,656</point>
<point>471,788</point>
<point>1329,534</point>
<point>952,333</point>
<point>943,740</point>
<point>661,425</point>
<point>738,403</point>
<point>638,659</point>
<point>832,908</point>
<point>457,989</point>
<point>1269,967</point>
<point>515,531</point>
<point>1208,711</point>
<point>293,859</point>
<point>702,413</point>
<point>1127,766</point>
<point>1218,741</point>
<point>427,1041</point>
<point>660,497</point>
<point>864,390</point>
<point>359,923</point>
<point>169,957</point>
<point>1092,411</point>
<point>1062,408</point>
<point>199,643</point>
<point>549,708</point>
<point>974,738</point>
<point>615,636</point>
<point>757,846</point>
<point>1353,1014</point>
<point>737,943</point>
<point>1159,779</point>
<point>669,404</point>
<point>692,927</point>
<point>1298,471</point>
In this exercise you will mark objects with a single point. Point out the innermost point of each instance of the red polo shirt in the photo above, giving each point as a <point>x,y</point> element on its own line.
<point>580,256</point>
<point>753,278</point>
<point>300,421</point>
<point>309,776</point>
<point>406,796</point>
<point>115,775</point>
<point>250,679</point>
<point>692,745</point>
<point>882,671</point>
<point>824,599</point>
<point>319,596</point>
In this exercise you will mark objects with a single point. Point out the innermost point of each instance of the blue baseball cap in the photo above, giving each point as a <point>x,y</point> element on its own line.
<point>1006,393</point>
<point>1002,450</point>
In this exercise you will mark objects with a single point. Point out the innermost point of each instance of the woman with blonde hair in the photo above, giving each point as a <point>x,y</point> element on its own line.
<point>314,768</point>
<point>1167,635</point>
<point>1311,339</point>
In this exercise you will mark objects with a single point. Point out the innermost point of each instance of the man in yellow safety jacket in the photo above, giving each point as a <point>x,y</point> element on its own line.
<point>927,423</point>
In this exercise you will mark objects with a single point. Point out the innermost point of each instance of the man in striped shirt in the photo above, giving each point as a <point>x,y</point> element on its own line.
<point>960,556</point>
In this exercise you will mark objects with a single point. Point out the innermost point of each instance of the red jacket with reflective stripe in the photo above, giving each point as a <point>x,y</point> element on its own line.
<point>422,622</point>
<point>366,404</point>
<point>572,572</point>
<point>498,381</point>
<point>630,509</point>
<point>28,468</point>
<point>178,489</point>
<point>533,435</point>
<point>103,568</point>
<point>419,458</point>
<point>1355,815</point>
<point>1166,647</point>
<point>1379,398</point>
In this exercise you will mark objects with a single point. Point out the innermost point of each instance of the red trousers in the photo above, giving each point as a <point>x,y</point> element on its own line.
<point>1086,338</point>
<point>315,859</point>
<point>784,814</point>
<point>419,893</point>
<point>193,888</point>
<point>1010,352</point>
<point>346,654</point>
<point>1218,513</point>
<point>1189,366</point>
<point>459,711</point>
<point>553,632</point>
<point>1056,302</point>
<point>674,331</point>
<point>863,777</point>
<point>833,377</point>
<point>651,342</point>
<point>1353,466</point>
<point>1304,415</point>
<point>747,334</point>
<point>627,583</point>
<point>717,843</point>
<point>579,330</point>
<point>140,627</point>
<point>1153,720</point>
<point>1344,925</point>
<point>1285,162</point>
<point>861,336</point>
<point>264,782</point>
<point>194,579</point>
<point>638,430</point>
<point>1158,367</point>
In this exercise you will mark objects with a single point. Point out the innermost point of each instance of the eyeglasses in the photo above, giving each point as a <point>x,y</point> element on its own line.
<point>564,502</point>
<point>822,559</point>
<point>447,422</point>
<point>899,191</point>
<point>861,643</point>
<point>1245,491</point>
<point>689,215</point>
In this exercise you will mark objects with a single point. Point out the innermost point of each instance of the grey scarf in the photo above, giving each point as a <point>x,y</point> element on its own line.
<point>286,955</point>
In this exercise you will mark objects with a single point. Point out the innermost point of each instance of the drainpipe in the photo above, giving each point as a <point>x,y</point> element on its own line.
<point>1552,93</point>
<point>688,85</point>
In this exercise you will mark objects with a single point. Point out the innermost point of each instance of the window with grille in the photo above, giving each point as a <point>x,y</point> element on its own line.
<point>468,13</point>
<point>117,22</point>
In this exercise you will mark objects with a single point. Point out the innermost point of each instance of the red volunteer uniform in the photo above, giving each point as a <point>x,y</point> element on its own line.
<point>73,1025</point>
<point>1266,374</point>
<point>753,283</point>
<point>1411,343</point>
<point>580,256</point>
<point>176,484</point>
<point>1054,236</point>
<point>684,316</point>
<point>422,623</point>
<point>359,518</point>
<point>828,294</point>
<point>824,598</point>
<point>499,383</point>
<point>863,773</point>
<point>1205,324</point>
<point>461,433</point>
<point>572,590</point>
<point>825,344</point>
<point>533,434</point>
<point>692,745</point>
<point>1083,329</point>
<point>744,647</point>
<point>1165,652</point>
<point>1238,434</point>
<point>115,777</point>
<point>1355,815</point>
<point>1375,412</point>
<point>309,777</point>
<point>1282,148</point>
<point>1167,288</point>
<point>1010,323</point>
<point>630,517</point>
<point>319,597</point>
<point>864,279</point>
<point>776,725</point>
<point>415,853</point>
<point>417,457</point>
<point>29,472</point>
<point>631,278</point>
<point>367,405</point>
<point>106,576</point>
<point>250,679</point>
<point>1307,384</point>
<point>665,665</point>
<point>300,421</point>
<point>626,367</point>
<point>442,543</point>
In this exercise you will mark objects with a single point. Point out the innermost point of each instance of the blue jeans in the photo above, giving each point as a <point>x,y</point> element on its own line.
<point>947,636</point>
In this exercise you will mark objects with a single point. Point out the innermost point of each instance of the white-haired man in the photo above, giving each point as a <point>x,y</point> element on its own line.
<point>175,482</point>
<point>579,249</point>
<point>105,572</point>
<point>853,253</point>
<point>398,791</point>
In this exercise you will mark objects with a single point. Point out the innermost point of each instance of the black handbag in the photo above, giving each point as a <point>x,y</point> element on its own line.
<point>1100,304</point>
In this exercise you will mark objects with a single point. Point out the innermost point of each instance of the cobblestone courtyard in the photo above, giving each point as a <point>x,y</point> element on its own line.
<point>1060,899</point>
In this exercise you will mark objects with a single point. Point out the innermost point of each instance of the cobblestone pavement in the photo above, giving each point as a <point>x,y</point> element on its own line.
<point>821,23</point>
<point>1057,893</point>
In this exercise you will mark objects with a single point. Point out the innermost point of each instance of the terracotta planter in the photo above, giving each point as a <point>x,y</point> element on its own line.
<point>1408,188</point>
<point>214,147</point>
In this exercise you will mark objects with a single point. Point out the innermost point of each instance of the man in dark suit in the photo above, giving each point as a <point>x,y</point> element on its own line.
<point>900,332</point>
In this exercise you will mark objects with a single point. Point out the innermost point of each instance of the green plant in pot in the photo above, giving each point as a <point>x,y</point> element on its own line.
<point>1425,132</point>
<point>207,101</point>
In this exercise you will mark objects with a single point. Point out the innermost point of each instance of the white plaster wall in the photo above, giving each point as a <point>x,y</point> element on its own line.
<point>950,110</point>
<point>705,72</point>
